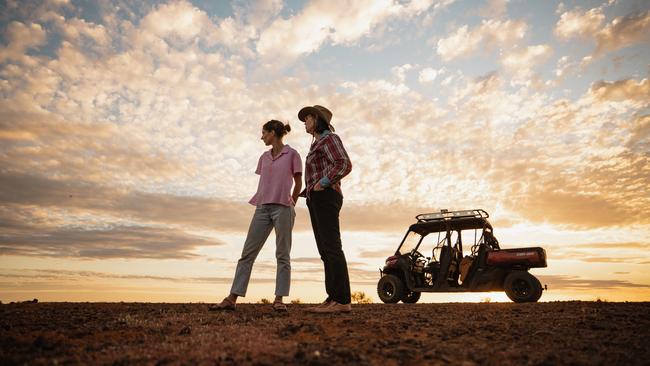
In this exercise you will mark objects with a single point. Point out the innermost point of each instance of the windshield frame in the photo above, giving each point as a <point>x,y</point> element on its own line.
<point>417,239</point>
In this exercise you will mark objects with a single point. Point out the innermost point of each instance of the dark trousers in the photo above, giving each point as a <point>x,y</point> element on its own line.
<point>324,207</point>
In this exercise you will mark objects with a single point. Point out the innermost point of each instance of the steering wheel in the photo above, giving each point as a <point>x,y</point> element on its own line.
<point>415,254</point>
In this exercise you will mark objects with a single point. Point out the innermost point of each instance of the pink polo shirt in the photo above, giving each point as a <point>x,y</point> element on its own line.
<point>276,177</point>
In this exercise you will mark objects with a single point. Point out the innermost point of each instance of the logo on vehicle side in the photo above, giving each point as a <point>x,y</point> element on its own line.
<point>525,254</point>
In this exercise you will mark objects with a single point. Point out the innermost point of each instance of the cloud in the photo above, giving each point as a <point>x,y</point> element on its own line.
<point>115,242</point>
<point>395,217</point>
<point>22,190</point>
<point>495,9</point>
<point>78,30</point>
<point>592,195</point>
<point>428,75</point>
<point>562,162</point>
<point>323,21</point>
<point>36,141</point>
<point>49,232</point>
<point>259,13</point>
<point>522,61</point>
<point>491,33</point>
<point>640,136</point>
<point>378,253</point>
<point>27,276</point>
<point>399,72</point>
<point>310,260</point>
<point>566,67</point>
<point>579,23</point>
<point>568,282</point>
<point>142,137</point>
<point>615,245</point>
<point>601,253</point>
<point>20,38</point>
<point>176,20</point>
<point>65,279</point>
<point>623,32</point>
<point>555,205</point>
<point>622,90</point>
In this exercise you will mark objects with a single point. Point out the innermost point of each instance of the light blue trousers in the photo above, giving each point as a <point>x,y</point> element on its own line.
<point>265,219</point>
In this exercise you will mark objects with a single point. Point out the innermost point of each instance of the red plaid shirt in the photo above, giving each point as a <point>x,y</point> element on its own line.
<point>327,162</point>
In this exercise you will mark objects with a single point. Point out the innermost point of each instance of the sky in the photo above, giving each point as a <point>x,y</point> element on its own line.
<point>130,133</point>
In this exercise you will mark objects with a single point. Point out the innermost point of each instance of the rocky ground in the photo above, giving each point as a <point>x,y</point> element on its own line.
<point>576,333</point>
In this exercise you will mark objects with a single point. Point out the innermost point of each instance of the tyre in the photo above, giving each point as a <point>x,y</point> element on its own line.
<point>411,297</point>
<point>521,286</point>
<point>539,286</point>
<point>390,289</point>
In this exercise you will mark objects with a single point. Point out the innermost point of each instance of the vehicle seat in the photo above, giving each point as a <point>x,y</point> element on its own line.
<point>445,260</point>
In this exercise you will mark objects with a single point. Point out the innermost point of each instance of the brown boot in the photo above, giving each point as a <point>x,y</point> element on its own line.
<point>334,307</point>
<point>321,305</point>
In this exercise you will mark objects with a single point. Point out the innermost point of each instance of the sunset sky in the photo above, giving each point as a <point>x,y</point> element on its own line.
<point>129,137</point>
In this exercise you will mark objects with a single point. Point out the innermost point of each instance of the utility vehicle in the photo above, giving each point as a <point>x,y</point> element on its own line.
<point>485,267</point>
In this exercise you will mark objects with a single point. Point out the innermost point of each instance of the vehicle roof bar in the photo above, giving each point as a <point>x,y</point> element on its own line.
<point>448,215</point>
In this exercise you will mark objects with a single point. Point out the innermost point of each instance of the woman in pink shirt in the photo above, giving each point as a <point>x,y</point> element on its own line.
<point>279,169</point>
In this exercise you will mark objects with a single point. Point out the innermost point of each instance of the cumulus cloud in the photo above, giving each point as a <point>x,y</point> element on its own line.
<point>78,30</point>
<point>521,62</point>
<point>565,66</point>
<point>21,37</point>
<point>428,74</point>
<point>579,23</point>
<point>323,21</point>
<point>491,33</point>
<point>623,32</point>
<point>399,72</point>
<point>178,20</point>
<point>640,136</point>
<point>622,90</point>
<point>181,25</point>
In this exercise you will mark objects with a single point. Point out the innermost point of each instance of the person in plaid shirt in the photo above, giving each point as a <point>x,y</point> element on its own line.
<point>326,164</point>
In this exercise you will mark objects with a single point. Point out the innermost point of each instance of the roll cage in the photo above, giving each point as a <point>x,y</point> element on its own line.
<point>447,222</point>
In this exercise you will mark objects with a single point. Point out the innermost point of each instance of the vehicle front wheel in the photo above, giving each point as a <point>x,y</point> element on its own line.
<point>521,286</point>
<point>390,289</point>
<point>411,297</point>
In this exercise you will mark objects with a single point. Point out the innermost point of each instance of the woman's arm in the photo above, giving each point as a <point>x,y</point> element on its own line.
<point>338,157</point>
<point>297,187</point>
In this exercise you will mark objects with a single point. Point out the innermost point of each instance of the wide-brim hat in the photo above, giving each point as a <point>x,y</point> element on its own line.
<point>317,110</point>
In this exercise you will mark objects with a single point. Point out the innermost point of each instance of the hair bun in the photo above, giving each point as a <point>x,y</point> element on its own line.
<point>287,128</point>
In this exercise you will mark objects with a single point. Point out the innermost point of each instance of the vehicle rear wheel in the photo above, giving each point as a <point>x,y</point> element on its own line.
<point>521,286</point>
<point>390,289</point>
<point>411,297</point>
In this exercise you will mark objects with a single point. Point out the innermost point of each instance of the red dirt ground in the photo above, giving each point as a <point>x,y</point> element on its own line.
<point>556,333</point>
